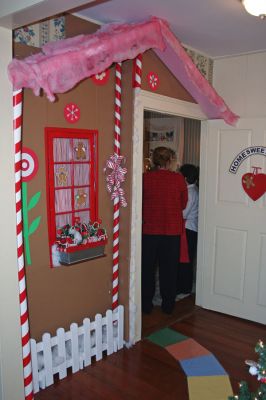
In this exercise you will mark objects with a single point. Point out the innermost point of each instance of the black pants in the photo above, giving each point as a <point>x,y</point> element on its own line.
<point>163,251</point>
<point>184,281</point>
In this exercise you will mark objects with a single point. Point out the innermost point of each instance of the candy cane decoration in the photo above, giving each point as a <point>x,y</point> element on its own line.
<point>118,71</point>
<point>24,320</point>
<point>137,71</point>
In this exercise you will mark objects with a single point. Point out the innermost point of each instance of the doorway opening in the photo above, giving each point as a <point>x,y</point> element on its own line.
<point>182,135</point>
<point>148,101</point>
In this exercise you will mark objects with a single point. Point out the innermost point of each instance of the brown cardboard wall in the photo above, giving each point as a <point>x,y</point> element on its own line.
<point>168,85</point>
<point>59,296</point>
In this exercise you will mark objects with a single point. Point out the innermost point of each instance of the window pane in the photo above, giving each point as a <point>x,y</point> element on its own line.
<point>81,174</point>
<point>62,175</point>
<point>63,200</point>
<point>62,149</point>
<point>83,217</point>
<point>62,220</point>
<point>82,198</point>
<point>81,150</point>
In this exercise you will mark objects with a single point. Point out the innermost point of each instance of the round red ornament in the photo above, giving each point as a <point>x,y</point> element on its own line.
<point>153,80</point>
<point>101,78</point>
<point>72,113</point>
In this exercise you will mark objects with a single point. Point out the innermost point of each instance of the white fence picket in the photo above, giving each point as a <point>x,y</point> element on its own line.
<point>109,332</point>
<point>62,367</point>
<point>98,337</point>
<point>34,365</point>
<point>87,342</point>
<point>76,347</point>
<point>47,359</point>
<point>120,327</point>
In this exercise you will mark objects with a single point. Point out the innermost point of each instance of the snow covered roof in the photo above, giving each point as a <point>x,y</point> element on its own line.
<point>62,64</point>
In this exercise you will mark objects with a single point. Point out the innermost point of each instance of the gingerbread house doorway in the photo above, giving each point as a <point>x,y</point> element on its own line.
<point>148,102</point>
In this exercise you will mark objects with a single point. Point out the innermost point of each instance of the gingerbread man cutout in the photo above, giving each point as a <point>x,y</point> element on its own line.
<point>81,198</point>
<point>80,150</point>
<point>62,176</point>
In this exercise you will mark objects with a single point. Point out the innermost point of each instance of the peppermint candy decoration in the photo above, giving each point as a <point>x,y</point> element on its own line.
<point>153,80</point>
<point>29,164</point>
<point>102,78</point>
<point>72,113</point>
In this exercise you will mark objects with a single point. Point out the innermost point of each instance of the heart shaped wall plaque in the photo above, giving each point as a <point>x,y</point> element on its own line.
<point>254,185</point>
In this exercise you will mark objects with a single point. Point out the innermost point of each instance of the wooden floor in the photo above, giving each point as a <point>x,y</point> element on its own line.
<point>148,372</point>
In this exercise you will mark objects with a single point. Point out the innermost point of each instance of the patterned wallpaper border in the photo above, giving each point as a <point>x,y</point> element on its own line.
<point>203,63</point>
<point>39,34</point>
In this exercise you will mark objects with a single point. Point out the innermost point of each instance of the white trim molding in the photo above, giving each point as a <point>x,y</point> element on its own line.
<point>144,100</point>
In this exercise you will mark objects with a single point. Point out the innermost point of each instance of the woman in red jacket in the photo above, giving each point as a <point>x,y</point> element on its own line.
<point>164,198</point>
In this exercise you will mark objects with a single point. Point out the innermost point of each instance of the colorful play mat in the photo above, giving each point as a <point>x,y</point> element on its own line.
<point>206,378</point>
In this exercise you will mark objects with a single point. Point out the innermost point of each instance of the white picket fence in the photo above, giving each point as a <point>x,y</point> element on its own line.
<point>76,348</point>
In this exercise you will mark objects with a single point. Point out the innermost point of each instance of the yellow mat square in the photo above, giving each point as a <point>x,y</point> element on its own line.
<point>209,387</point>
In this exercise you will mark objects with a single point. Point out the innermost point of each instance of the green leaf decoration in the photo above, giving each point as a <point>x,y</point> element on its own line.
<point>34,225</point>
<point>34,200</point>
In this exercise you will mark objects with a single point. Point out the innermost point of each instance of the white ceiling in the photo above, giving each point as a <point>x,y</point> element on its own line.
<point>216,28</point>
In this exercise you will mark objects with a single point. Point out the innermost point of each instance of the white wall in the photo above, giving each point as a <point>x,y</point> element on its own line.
<point>11,380</point>
<point>241,82</point>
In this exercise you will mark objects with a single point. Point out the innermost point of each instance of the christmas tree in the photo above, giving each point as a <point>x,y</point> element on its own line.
<point>257,369</point>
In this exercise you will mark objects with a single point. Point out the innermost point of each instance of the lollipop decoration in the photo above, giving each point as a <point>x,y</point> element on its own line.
<point>29,168</point>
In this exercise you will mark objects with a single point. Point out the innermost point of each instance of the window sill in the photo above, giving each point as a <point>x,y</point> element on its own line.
<point>75,254</point>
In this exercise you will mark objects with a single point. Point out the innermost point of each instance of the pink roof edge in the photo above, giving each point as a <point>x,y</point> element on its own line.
<point>62,64</point>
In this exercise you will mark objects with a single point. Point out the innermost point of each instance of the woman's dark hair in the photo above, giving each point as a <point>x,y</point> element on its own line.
<point>190,172</point>
<point>161,156</point>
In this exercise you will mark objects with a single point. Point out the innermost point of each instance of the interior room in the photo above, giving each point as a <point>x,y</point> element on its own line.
<point>182,135</point>
<point>89,91</point>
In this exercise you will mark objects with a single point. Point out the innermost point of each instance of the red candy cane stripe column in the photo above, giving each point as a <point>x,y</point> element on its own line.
<point>118,71</point>
<point>137,71</point>
<point>24,321</point>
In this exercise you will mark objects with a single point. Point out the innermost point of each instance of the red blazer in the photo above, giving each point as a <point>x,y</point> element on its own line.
<point>164,197</point>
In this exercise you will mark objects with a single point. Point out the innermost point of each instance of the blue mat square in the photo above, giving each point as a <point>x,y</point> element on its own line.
<point>202,366</point>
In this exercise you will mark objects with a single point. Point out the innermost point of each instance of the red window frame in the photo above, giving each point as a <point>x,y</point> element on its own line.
<point>65,133</point>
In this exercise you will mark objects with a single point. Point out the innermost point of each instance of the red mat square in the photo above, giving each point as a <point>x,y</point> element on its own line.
<point>186,349</point>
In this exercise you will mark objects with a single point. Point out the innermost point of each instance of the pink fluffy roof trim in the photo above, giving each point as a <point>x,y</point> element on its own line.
<point>62,64</point>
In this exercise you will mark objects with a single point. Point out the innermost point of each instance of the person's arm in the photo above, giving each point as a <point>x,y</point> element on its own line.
<point>184,192</point>
<point>188,208</point>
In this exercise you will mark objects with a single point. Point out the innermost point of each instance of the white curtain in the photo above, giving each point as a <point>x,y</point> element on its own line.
<point>191,142</point>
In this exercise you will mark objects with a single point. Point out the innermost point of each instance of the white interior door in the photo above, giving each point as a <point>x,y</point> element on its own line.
<point>232,228</point>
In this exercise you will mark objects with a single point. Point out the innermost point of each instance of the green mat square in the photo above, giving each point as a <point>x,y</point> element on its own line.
<point>165,337</point>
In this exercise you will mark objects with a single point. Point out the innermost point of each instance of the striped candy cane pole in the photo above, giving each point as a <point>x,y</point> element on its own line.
<point>118,71</point>
<point>137,71</point>
<point>24,320</point>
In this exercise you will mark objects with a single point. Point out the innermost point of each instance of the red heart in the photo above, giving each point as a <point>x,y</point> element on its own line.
<point>254,185</point>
